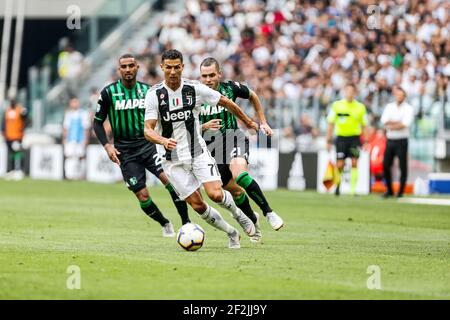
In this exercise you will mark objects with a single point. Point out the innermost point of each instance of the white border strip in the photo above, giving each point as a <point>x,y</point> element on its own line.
<point>428,201</point>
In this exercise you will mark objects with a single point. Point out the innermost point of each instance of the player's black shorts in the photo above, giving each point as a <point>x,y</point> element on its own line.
<point>134,161</point>
<point>223,148</point>
<point>347,147</point>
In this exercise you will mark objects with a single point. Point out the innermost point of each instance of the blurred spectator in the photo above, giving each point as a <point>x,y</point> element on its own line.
<point>377,147</point>
<point>287,142</point>
<point>307,127</point>
<point>70,67</point>
<point>13,127</point>
<point>92,109</point>
<point>397,118</point>
<point>76,129</point>
<point>93,98</point>
<point>306,133</point>
<point>309,50</point>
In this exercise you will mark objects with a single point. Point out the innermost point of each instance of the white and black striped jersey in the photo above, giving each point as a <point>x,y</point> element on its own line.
<point>177,114</point>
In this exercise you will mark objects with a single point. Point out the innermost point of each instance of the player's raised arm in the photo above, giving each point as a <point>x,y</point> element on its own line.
<point>237,111</point>
<point>214,124</point>
<point>243,92</point>
<point>212,97</point>
<point>256,103</point>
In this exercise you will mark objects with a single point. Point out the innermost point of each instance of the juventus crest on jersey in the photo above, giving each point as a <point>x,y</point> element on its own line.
<point>177,114</point>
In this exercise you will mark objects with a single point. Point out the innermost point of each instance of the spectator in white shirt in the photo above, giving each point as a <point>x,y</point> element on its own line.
<point>76,128</point>
<point>397,118</point>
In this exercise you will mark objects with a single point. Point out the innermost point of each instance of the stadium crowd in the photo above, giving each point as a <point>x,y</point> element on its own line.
<point>293,49</point>
<point>304,52</point>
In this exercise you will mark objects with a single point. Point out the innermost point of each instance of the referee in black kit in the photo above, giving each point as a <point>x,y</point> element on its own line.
<point>397,118</point>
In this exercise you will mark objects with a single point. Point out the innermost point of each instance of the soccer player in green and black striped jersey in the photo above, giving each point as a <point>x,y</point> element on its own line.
<point>230,147</point>
<point>123,103</point>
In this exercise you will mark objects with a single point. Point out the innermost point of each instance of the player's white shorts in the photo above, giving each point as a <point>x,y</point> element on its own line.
<point>187,176</point>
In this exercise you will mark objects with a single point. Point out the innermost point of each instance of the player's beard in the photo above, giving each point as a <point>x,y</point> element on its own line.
<point>212,85</point>
<point>175,81</point>
<point>129,80</point>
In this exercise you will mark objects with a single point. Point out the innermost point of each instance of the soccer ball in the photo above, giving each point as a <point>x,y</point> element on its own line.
<point>191,237</point>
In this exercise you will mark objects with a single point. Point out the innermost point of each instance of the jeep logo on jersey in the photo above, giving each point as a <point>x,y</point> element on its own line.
<point>174,116</point>
<point>130,104</point>
<point>207,110</point>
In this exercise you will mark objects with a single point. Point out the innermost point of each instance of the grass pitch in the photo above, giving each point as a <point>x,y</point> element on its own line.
<point>323,252</point>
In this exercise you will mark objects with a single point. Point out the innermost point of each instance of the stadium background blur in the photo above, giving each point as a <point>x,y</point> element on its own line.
<point>297,55</point>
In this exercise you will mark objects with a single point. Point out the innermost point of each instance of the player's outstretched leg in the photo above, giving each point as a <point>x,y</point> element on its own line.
<point>151,210</point>
<point>224,199</point>
<point>242,202</point>
<point>179,204</point>
<point>252,188</point>
<point>214,218</point>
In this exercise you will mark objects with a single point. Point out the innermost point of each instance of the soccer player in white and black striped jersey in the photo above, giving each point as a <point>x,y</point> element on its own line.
<point>172,120</point>
<point>122,102</point>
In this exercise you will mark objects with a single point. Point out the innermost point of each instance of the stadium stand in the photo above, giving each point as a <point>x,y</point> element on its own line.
<point>296,55</point>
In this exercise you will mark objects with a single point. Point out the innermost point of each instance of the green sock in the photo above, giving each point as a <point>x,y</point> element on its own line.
<point>254,191</point>
<point>354,179</point>
<point>243,204</point>
<point>150,209</point>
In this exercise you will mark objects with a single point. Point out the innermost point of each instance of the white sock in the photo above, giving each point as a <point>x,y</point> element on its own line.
<point>228,204</point>
<point>213,217</point>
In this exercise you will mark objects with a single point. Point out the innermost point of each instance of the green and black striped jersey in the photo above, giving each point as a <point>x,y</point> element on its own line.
<point>232,90</point>
<point>126,112</point>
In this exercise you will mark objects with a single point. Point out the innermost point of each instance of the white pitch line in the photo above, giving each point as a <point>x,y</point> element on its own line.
<point>429,201</point>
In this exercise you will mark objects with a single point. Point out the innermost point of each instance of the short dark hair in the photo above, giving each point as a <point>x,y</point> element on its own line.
<point>171,54</point>
<point>127,55</point>
<point>350,84</point>
<point>209,62</point>
<point>401,89</point>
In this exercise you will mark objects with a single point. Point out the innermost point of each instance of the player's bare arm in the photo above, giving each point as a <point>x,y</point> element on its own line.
<point>112,153</point>
<point>237,111</point>
<point>100,132</point>
<point>256,103</point>
<point>214,124</point>
<point>152,136</point>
